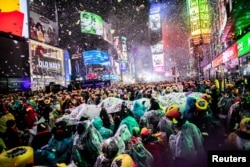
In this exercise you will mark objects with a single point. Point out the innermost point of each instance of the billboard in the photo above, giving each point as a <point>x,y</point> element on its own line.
<point>244,45</point>
<point>107,35</point>
<point>155,22</point>
<point>43,29</point>
<point>67,66</point>
<point>46,64</point>
<point>158,62</point>
<point>200,20</point>
<point>158,48</point>
<point>14,57</point>
<point>96,57</point>
<point>91,23</point>
<point>124,55</point>
<point>14,17</point>
<point>77,66</point>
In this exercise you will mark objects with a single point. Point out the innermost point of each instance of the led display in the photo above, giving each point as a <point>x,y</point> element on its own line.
<point>91,23</point>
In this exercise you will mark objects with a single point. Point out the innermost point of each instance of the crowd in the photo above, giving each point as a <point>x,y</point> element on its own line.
<point>141,136</point>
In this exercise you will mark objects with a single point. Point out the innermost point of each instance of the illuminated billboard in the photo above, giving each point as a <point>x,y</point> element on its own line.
<point>158,48</point>
<point>244,45</point>
<point>91,23</point>
<point>158,62</point>
<point>107,35</point>
<point>200,19</point>
<point>155,22</point>
<point>124,55</point>
<point>43,29</point>
<point>14,17</point>
<point>95,57</point>
<point>47,64</point>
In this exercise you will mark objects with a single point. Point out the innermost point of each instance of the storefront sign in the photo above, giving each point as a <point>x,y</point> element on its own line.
<point>230,53</point>
<point>217,61</point>
<point>244,45</point>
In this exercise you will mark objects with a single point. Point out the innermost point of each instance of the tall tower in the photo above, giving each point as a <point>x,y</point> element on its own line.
<point>198,12</point>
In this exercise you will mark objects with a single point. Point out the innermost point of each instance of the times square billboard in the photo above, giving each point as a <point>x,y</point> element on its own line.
<point>91,23</point>
<point>14,17</point>
<point>46,64</point>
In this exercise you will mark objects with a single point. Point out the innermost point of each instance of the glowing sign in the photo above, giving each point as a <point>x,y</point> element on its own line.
<point>244,45</point>
<point>200,20</point>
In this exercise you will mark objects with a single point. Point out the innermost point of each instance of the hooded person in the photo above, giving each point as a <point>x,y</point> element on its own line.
<point>109,152</point>
<point>139,109</point>
<point>87,144</point>
<point>240,139</point>
<point>132,125</point>
<point>58,149</point>
<point>153,144</point>
<point>104,132</point>
<point>186,144</point>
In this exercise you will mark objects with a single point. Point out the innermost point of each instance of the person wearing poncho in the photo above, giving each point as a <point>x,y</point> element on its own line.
<point>186,144</point>
<point>132,125</point>
<point>240,139</point>
<point>139,109</point>
<point>105,132</point>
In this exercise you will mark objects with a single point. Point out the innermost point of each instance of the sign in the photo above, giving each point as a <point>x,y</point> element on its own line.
<point>46,60</point>
<point>244,45</point>
<point>91,23</point>
<point>230,53</point>
<point>217,61</point>
<point>158,62</point>
<point>200,20</point>
<point>14,17</point>
<point>43,29</point>
<point>95,57</point>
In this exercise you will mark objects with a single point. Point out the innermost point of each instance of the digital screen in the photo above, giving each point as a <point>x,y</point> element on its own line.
<point>14,58</point>
<point>155,21</point>
<point>77,66</point>
<point>96,57</point>
<point>46,60</point>
<point>14,17</point>
<point>91,23</point>
<point>67,65</point>
<point>43,29</point>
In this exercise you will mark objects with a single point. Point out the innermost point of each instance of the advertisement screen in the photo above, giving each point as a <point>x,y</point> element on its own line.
<point>96,57</point>
<point>158,48</point>
<point>158,62</point>
<point>77,66</point>
<point>67,65</point>
<point>91,23</point>
<point>244,45</point>
<point>14,17</point>
<point>107,35</point>
<point>155,22</point>
<point>14,58</point>
<point>46,63</point>
<point>43,29</point>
